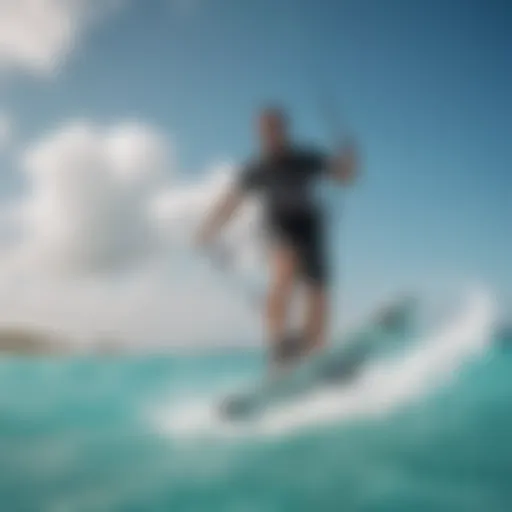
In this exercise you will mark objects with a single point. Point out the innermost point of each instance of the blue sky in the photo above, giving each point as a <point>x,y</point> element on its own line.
<point>424,86</point>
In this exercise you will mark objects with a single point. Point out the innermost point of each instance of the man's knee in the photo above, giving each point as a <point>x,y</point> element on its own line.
<point>316,300</point>
<point>279,295</point>
<point>283,275</point>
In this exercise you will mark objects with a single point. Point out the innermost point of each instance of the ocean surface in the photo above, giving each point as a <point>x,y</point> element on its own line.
<point>430,430</point>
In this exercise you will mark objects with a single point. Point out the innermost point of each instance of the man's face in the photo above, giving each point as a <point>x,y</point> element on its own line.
<point>272,131</point>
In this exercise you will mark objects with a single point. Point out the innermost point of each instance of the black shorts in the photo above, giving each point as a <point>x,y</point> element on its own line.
<point>306,235</point>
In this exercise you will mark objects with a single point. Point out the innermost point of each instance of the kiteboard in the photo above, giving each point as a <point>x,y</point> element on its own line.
<point>339,364</point>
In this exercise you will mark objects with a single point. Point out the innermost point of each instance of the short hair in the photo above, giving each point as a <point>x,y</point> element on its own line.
<point>276,111</point>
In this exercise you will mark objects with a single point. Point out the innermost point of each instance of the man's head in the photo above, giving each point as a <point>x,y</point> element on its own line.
<point>273,129</point>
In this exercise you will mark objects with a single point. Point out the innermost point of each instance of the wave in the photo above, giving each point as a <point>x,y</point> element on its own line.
<point>380,389</point>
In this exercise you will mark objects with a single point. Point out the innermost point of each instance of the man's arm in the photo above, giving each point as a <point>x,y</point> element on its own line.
<point>220,215</point>
<point>344,167</point>
<point>249,180</point>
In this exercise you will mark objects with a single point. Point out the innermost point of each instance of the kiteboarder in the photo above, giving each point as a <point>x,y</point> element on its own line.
<point>285,174</point>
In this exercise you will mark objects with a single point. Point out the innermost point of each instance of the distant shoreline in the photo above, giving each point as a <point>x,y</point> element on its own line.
<point>30,342</point>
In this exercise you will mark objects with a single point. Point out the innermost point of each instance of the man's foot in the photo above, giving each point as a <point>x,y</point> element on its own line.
<point>289,350</point>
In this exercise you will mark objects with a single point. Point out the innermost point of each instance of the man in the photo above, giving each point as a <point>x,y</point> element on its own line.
<point>285,175</point>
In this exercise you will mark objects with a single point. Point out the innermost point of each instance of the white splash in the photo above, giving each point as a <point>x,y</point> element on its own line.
<point>381,388</point>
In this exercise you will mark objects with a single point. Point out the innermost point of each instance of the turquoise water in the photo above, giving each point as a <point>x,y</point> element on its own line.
<point>96,435</point>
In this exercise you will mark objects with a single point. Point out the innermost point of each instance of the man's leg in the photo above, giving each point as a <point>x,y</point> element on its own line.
<point>314,267</point>
<point>283,273</point>
<point>316,316</point>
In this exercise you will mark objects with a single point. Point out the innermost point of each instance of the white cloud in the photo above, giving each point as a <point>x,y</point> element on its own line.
<point>38,35</point>
<point>87,208</point>
<point>100,238</point>
<point>157,306</point>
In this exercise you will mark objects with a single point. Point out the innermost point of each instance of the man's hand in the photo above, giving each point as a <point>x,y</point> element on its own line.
<point>217,219</point>
<point>345,164</point>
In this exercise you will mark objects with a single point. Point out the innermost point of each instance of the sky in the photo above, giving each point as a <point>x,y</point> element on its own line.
<point>122,120</point>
